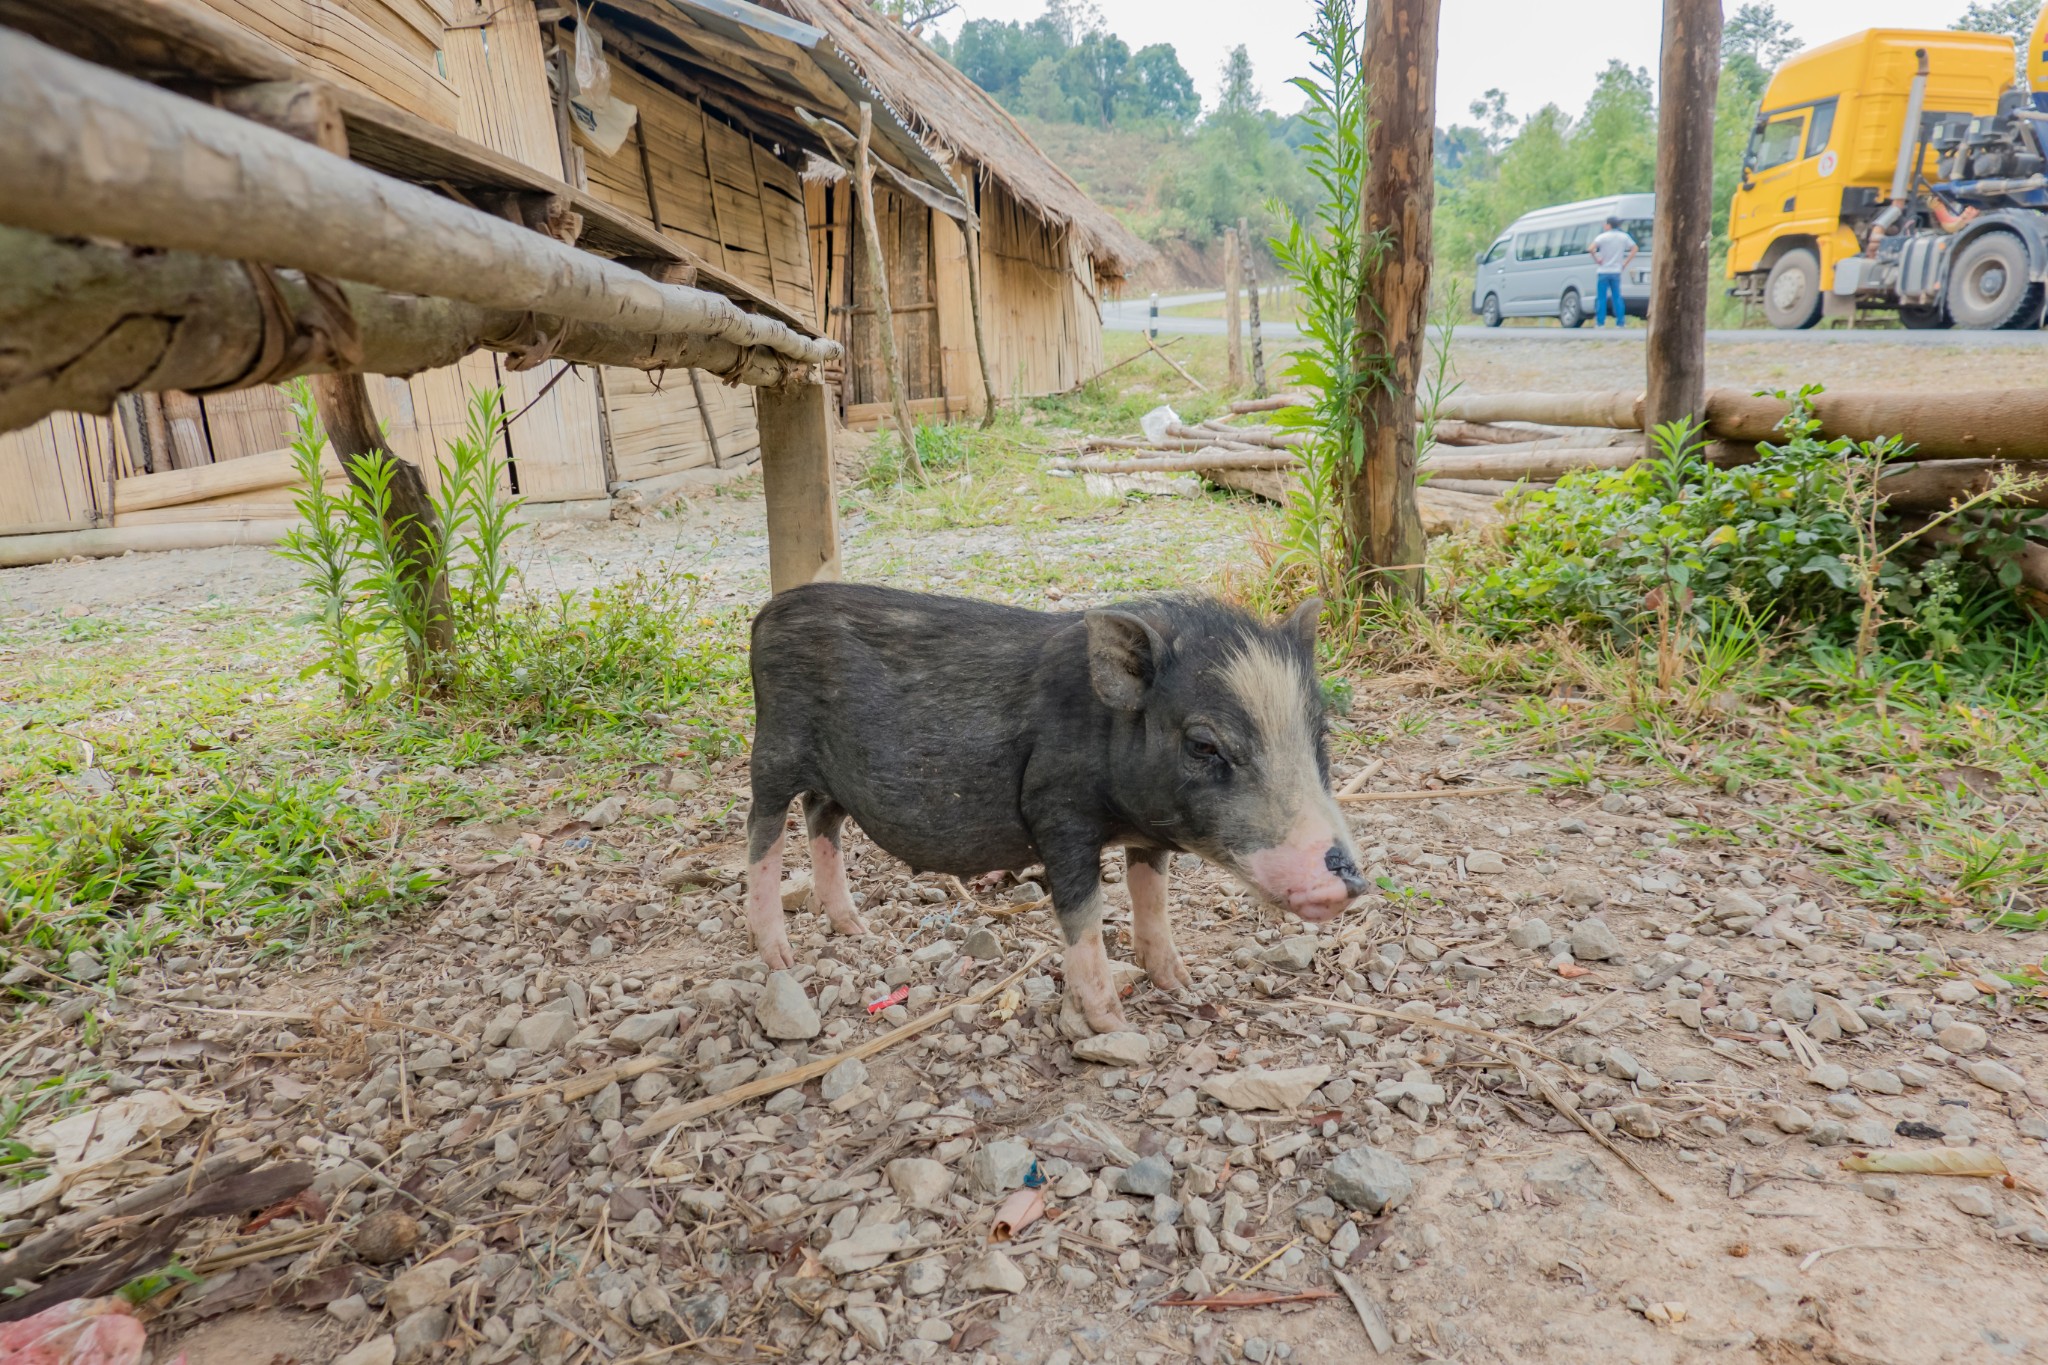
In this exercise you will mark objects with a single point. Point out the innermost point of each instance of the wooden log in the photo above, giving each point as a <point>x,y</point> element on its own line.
<point>89,321</point>
<point>1271,404</point>
<point>1965,424</point>
<point>1538,460</point>
<point>878,291</point>
<point>1938,485</point>
<point>973,233</point>
<point>1622,411</point>
<point>1211,458</point>
<point>250,474</point>
<point>1237,436</point>
<point>16,551</point>
<point>1450,432</point>
<point>1233,320</point>
<point>796,479</point>
<point>1676,352</point>
<point>1383,525</point>
<point>266,197</point>
<point>1489,488</point>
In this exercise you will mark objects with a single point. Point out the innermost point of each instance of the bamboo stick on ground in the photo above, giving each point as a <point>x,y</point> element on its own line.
<point>1272,404</point>
<point>1210,457</point>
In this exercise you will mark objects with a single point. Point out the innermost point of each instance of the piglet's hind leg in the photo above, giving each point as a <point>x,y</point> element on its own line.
<point>764,886</point>
<point>825,820</point>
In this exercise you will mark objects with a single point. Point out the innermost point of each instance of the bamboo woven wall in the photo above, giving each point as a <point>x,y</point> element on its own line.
<point>388,48</point>
<point>730,201</point>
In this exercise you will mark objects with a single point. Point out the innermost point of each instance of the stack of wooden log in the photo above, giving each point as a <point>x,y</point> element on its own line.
<point>1486,444</point>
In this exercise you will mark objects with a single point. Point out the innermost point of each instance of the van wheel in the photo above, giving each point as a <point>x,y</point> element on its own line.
<point>1570,312</point>
<point>1792,290</point>
<point>1988,285</point>
<point>1489,312</point>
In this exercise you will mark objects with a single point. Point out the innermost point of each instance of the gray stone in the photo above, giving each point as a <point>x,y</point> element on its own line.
<point>1732,902</point>
<point>1114,1049</point>
<point>1788,1118</point>
<point>1581,892</point>
<point>703,1313</point>
<point>785,1012</point>
<point>921,1278</point>
<point>1530,933</point>
<point>1152,1176</point>
<point>418,1336</point>
<point>869,1324</point>
<point>843,1079</point>
<point>1963,1037</point>
<point>1880,1188</point>
<point>1879,1081</point>
<point>1973,1200</point>
<point>1829,1076</point>
<point>864,1249</point>
<point>1296,953</point>
<point>1566,1175</point>
<point>983,946</point>
<point>1593,941</point>
<point>1369,1179</point>
<point>998,1167</point>
<point>1550,1015</point>
<point>1484,862</point>
<point>992,1273</point>
<point>378,1350</point>
<point>719,1079</point>
<point>1995,1076</point>
<point>605,813</point>
<point>919,1181</point>
<point>1256,1088</point>
<point>421,1286</point>
<point>1621,1062</point>
<point>548,1031</point>
<point>638,1030</point>
<point>1793,1001</point>
<point>608,1103</point>
<point>501,1025</point>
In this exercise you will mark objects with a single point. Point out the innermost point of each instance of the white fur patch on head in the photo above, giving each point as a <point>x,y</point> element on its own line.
<point>1271,687</point>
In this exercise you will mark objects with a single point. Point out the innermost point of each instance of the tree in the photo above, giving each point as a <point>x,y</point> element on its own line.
<point>1157,86</point>
<point>1239,96</point>
<point>2014,18</point>
<point>1615,143</point>
<point>1091,76</point>
<point>1755,31</point>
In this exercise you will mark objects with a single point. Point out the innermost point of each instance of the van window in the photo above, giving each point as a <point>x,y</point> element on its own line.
<point>1638,228</point>
<point>1778,144</point>
<point>1529,247</point>
<point>1498,250</point>
<point>1578,239</point>
<point>1822,128</point>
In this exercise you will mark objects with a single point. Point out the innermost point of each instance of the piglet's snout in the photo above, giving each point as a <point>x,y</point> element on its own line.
<point>1315,881</point>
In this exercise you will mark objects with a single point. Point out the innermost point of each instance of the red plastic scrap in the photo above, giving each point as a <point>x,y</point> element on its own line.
<point>895,997</point>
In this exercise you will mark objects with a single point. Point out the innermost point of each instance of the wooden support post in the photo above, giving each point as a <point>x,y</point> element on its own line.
<point>1233,312</point>
<point>1383,527</point>
<point>796,477</point>
<point>1677,348</point>
<point>1250,267</point>
<point>352,429</point>
<point>878,291</point>
<point>972,229</point>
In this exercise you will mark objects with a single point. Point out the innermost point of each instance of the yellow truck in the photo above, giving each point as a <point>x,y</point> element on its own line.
<point>1898,170</point>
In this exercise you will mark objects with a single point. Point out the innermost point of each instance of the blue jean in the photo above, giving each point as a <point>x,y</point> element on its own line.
<point>1607,288</point>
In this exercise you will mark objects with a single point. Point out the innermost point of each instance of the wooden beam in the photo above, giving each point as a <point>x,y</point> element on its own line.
<point>1383,526</point>
<point>797,479</point>
<point>89,321</point>
<point>269,198</point>
<point>1677,348</point>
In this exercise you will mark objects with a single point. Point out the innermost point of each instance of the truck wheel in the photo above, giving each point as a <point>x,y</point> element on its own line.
<point>1926,318</point>
<point>1570,312</point>
<point>1489,312</point>
<point>1988,285</point>
<point>1792,290</point>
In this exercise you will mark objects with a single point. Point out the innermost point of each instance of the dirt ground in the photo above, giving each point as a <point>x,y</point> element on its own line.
<point>1643,952</point>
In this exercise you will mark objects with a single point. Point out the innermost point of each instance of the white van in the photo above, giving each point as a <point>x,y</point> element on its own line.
<point>1542,265</point>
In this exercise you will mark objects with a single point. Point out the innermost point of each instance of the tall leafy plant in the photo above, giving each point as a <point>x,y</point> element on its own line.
<point>323,547</point>
<point>1328,256</point>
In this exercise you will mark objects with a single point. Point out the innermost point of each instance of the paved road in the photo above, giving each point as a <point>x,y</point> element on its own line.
<point>1132,315</point>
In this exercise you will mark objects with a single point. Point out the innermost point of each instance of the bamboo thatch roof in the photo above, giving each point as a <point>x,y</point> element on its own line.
<point>951,112</point>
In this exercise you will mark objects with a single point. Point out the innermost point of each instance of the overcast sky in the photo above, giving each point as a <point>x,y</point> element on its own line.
<point>1538,51</point>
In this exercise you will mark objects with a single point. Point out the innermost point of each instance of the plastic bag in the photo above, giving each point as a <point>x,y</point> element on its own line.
<point>1155,422</point>
<point>593,72</point>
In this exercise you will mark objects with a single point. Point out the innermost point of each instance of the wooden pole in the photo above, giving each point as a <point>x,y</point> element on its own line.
<point>1383,526</point>
<point>878,291</point>
<point>268,197</point>
<point>1250,267</point>
<point>797,481</point>
<point>972,228</point>
<point>1677,348</point>
<point>1233,313</point>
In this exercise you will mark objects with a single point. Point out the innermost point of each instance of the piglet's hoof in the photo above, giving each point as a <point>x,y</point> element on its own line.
<point>848,923</point>
<point>1077,1021</point>
<point>1165,968</point>
<point>776,954</point>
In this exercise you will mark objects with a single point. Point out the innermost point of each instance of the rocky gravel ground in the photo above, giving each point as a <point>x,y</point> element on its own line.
<point>1578,1084</point>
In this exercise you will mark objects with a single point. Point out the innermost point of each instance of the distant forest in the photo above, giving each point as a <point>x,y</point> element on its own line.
<point>1133,129</point>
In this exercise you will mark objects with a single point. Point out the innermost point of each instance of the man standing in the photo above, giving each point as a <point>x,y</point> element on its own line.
<point>1612,251</point>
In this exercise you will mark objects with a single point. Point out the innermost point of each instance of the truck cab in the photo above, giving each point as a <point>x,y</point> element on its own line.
<point>1825,153</point>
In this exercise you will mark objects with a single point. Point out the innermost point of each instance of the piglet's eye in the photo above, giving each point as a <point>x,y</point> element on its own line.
<point>1201,744</point>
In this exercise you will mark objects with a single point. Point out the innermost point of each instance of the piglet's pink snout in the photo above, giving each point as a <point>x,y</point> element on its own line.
<point>1300,879</point>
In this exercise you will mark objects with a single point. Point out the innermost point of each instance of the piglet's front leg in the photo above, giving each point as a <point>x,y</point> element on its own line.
<point>1151,934</point>
<point>1077,899</point>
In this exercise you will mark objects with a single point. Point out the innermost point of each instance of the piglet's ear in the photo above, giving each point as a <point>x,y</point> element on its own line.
<point>1302,621</point>
<point>1123,655</point>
